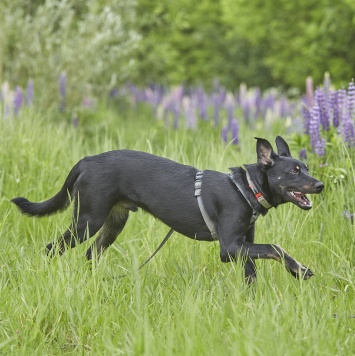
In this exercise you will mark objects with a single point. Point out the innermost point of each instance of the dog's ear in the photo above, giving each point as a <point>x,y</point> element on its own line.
<point>282,147</point>
<point>265,153</point>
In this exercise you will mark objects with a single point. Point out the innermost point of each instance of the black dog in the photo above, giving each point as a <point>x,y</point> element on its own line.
<point>107,186</point>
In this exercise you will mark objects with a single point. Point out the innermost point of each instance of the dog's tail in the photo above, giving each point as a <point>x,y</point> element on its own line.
<point>59,202</point>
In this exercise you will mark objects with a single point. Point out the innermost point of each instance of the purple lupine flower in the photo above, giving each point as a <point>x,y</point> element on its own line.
<point>135,95</point>
<point>303,154</point>
<point>224,134</point>
<point>327,97</point>
<point>326,87</point>
<point>139,95</point>
<point>202,103</point>
<point>309,92</point>
<point>348,129</point>
<point>216,108</point>
<point>176,97</point>
<point>235,132</point>
<point>246,107</point>
<point>171,104</point>
<point>245,102</point>
<point>113,93</point>
<point>320,147</point>
<point>29,92</point>
<point>307,118</point>
<point>323,109</point>
<point>230,106</point>
<point>62,91</point>
<point>218,100</point>
<point>342,104</point>
<point>314,134</point>
<point>351,99</point>
<point>257,98</point>
<point>152,97</point>
<point>190,112</point>
<point>283,106</point>
<point>317,143</point>
<point>242,94</point>
<point>269,101</point>
<point>18,100</point>
<point>335,108</point>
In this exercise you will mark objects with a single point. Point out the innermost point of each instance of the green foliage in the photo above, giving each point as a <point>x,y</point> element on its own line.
<point>262,43</point>
<point>297,39</point>
<point>272,43</point>
<point>185,301</point>
<point>89,40</point>
<point>181,42</point>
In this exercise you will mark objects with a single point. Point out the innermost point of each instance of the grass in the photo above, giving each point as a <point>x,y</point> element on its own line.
<point>185,301</point>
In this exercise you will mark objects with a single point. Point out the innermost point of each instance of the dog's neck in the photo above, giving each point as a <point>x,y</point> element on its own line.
<point>257,193</point>
<point>260,180</point>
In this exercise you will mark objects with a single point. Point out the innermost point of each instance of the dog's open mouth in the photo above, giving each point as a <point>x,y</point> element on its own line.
<point>299,199</point>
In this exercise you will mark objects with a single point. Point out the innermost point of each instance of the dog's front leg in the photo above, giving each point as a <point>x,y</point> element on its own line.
<point>297,269</point>
<point>250,267</point>
<point>235,249</point>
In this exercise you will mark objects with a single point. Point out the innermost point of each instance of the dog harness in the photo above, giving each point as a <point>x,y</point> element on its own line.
<point>208,221</point>
<point>258,195</point>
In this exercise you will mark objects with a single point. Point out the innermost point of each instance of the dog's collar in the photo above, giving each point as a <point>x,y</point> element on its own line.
<point>255,214</point>
<point>258,195</point>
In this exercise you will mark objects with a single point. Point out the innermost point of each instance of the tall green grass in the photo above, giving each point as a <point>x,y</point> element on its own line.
<point>185,301</point>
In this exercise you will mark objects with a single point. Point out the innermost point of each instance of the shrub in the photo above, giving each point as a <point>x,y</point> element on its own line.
<point>87,40</point>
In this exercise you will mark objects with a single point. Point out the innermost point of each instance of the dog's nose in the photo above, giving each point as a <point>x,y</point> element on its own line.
<point>319,186</point>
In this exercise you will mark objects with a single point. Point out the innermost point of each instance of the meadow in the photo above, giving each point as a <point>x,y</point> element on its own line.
<point>185,301</point>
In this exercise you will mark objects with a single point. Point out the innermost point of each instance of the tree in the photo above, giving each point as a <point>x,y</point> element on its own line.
<point>297,39</point>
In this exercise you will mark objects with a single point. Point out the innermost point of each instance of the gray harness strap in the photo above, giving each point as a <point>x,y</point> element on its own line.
<point>208,221</point>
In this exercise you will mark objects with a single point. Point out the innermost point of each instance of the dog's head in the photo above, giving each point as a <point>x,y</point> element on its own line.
<point>288,178</point>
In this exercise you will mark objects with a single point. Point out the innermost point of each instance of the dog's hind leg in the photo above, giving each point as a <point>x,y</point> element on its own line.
<point>112,227</point>
<point>86,222</point>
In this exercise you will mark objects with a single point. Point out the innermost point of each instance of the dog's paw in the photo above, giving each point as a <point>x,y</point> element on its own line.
<point>300,271</point>
<point>89,254</point>
<point>250,272</point>
<point>305,273</point>
<point>250,279</point>
<point>51,250</point>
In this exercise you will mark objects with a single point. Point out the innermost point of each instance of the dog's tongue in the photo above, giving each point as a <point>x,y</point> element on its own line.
<point>302,198</point>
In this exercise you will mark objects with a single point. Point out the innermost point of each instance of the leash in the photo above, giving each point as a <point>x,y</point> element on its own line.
<point>166,238</point>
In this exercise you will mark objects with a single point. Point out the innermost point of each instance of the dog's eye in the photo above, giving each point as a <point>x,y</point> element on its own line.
<point>296,170</point>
